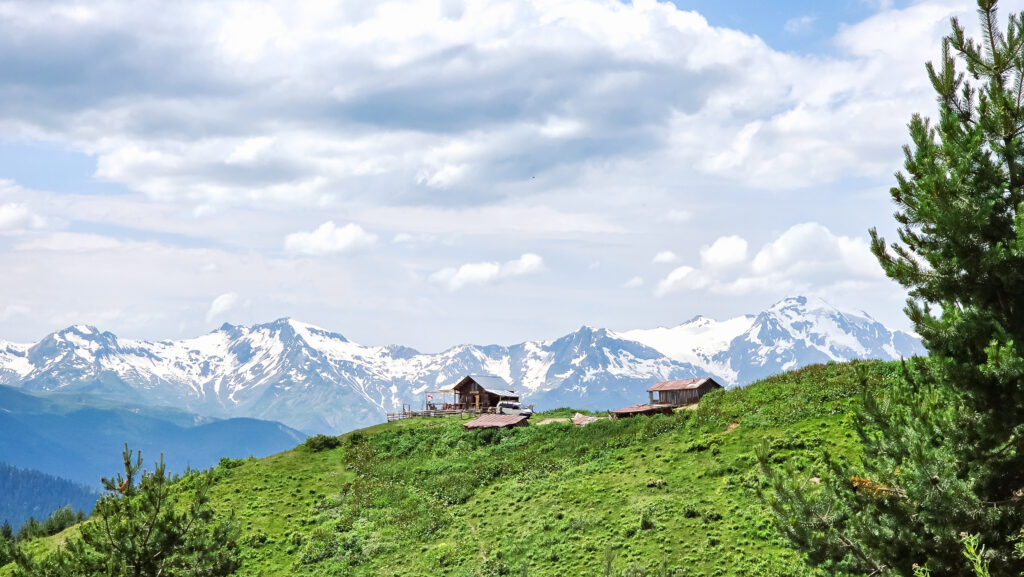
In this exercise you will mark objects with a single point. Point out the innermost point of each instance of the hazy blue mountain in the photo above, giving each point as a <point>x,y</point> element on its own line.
<point>319,381</point>
<point>81,438</point>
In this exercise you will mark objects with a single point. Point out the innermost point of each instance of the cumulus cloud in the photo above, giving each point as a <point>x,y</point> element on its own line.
<point>221,305</point>
<point>329,239</point>
<point>806,257</point>
<point>810,250</point>
<point>487,272</point>
<point>726,251</point>
<point>684,277</point>
<point>412,118</point>
<point>665,256</point>
<point>426,103</point>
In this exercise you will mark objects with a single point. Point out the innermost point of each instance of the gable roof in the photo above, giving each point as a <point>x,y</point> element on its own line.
<point>489,383</point>
<point>495,421</point>
<point>682,384</point>
<point>492,383</point>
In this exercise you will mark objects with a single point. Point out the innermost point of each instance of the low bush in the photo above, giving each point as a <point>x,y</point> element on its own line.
<point>318,443</point>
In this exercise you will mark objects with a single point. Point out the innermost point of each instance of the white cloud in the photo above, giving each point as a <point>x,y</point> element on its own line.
<point>248,29</point>
<point>665,256</point>
<point>529,263</point>
<point>726,251</point>
<point>410,119</point>
<point>16,217</point>
<point>71,242</point>
<point>487,272</point>
<point>799,24</point>
<point>408,98</point>
<point>807,257</point>
<point>810,250</point>
<point>328,239</point>
<point>684,277</point>
<point>221,305</point>
<point>635,282</point>
<point>250,150</point>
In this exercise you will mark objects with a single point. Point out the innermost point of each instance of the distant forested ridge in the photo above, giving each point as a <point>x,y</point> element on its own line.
<point>26,493</point>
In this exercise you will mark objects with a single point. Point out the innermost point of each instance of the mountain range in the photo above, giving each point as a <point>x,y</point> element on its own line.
<point>80,437</point>
<point>318,381</point>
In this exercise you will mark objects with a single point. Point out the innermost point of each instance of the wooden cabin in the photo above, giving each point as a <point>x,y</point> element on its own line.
<point>477,393</point>
<point>681,392</point>
<point>496,422</point>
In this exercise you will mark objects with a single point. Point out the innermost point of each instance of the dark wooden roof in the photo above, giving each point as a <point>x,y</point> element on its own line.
<point>682,384</point>
<point>495,421</point>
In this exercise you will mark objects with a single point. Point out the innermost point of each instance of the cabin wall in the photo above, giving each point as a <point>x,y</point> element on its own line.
<point>464,396</point>
<point>678,397</point>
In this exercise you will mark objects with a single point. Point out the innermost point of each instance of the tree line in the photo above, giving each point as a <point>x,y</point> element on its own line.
<point>26,494</point>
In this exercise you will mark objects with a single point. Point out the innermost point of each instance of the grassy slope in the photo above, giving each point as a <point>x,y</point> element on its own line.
<point>423,497</point>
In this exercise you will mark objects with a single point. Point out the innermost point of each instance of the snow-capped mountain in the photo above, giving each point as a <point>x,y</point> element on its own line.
<point>319,381</point>
<point>793,333</point>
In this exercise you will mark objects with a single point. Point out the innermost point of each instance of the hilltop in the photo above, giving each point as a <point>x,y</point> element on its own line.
<point>656,495</point>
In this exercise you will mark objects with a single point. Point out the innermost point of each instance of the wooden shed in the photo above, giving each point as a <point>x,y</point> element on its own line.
<point>496,422</point>
<point>681,392</point>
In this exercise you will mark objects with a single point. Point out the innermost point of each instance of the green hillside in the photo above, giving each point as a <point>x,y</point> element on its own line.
<point>664,495</point>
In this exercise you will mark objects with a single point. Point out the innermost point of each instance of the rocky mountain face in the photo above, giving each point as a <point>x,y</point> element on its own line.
<point>319,381</point>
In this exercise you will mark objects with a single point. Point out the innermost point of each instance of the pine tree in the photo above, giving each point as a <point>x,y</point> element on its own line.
<point>146,526</point>
<point>944,451</point>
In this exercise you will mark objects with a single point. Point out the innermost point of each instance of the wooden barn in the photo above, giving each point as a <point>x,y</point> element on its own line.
<point>478,393</point>
<point>681,392</point>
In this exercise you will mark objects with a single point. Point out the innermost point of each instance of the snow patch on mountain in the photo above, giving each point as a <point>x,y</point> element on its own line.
<point>318,381</point>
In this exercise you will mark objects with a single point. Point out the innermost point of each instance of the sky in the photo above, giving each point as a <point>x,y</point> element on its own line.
<point>440,172</point>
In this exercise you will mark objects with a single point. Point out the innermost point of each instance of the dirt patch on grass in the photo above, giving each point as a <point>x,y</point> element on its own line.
<point>732,427</point>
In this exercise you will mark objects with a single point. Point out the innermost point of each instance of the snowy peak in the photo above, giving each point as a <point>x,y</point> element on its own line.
<point>799,330</point>
<point>695,341</point>
<point>316,380</point>
<point>793,332</point>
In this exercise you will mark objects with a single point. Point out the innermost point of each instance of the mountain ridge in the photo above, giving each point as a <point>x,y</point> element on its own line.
<point>317,380</point>
<point>80,438</point>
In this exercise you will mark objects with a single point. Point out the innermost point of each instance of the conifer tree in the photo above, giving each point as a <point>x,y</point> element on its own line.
<point>944,451</point>
<point>146,527</point>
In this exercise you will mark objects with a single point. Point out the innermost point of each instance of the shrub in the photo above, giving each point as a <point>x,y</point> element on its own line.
<point>318,443</point>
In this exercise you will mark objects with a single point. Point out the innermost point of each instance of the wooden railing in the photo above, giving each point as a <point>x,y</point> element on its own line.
<point>408,414</point>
